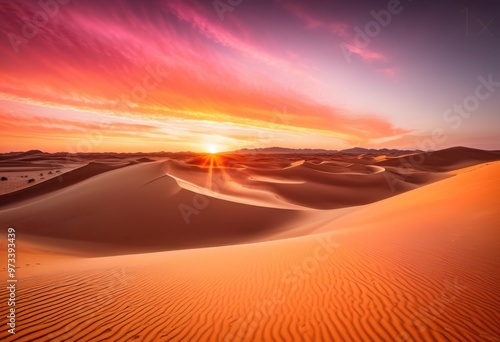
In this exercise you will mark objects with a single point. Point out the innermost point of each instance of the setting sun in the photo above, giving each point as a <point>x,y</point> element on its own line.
<point>211,148</point>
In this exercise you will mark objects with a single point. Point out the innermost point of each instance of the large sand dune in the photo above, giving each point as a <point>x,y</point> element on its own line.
<point>138,209</point>
<point>417,263</point>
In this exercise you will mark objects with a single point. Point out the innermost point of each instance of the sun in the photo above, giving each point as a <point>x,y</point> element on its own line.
<point>211,148</point>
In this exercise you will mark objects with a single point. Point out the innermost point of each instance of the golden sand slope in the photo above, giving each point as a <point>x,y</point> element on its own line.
<point>418,266</point>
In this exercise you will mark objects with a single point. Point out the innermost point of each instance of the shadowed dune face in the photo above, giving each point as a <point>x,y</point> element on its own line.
<point>300,184</point>
<point>137,208</point>
<point>443,160</point>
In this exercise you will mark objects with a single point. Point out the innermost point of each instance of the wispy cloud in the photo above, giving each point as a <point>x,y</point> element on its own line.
<point>365,54</point>
<point>220,33</point>
<point>341,29</point>
<point>94,59</point>
<point>390,72</point>
<point>338,28</point>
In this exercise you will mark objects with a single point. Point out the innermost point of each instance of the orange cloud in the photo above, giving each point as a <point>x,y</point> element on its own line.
<point>176,64</point>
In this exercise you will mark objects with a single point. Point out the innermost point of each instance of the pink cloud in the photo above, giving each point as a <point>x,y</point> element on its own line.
<point>391,72</point>
<point>219,33</point>
<point>90,58</point>
<point>365,54</point>
<point>338,28</point>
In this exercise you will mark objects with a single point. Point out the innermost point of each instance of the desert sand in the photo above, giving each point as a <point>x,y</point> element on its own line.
<point>256,247</point>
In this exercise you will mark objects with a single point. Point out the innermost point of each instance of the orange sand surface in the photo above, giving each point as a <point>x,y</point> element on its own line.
<point>291,253</point>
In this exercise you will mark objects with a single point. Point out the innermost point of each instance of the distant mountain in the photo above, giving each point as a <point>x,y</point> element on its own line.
<point>26,153</point>
<point>19,155</point>
<point>361,150</point>
<point>354,150</point>
<point>285,150</point>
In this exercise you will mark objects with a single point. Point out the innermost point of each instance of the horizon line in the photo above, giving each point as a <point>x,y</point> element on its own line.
<point>259,149</point>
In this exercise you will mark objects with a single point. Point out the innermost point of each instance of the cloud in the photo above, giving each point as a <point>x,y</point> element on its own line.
<point>338,28</point>
<point>390,72</point>
<point>213,29</point>
<point>141,63</point>
<point>365,54</point>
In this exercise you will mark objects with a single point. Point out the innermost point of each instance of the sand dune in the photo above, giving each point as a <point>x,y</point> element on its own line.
<point>443,160</point>
<point>295,164</point>
<point>198,202</point>
<point>401,269</point>
<point>301,185</point>
<point>57,182</point>
<point>123,209</point>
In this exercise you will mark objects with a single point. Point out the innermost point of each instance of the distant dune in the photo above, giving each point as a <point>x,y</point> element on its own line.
<point>136,208</point>
<point>443,160</point>
<point>53,184</point>
<point>316,248</point>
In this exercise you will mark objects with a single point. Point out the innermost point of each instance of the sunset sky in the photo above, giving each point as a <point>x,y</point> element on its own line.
<point>176,75</point>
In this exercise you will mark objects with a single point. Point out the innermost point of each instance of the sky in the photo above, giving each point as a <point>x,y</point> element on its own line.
<point>180,75</point>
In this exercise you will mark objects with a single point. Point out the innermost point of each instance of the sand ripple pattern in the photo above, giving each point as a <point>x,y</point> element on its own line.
<point>303,289</point>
